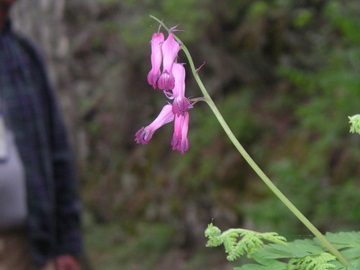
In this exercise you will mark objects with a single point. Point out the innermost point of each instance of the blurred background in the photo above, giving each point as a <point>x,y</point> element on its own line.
<point>284,73</point>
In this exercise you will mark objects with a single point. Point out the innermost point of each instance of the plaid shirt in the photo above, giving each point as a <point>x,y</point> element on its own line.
<point>31,112</point>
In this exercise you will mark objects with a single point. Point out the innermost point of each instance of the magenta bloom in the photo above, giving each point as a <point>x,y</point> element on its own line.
<point>170,49</point>
<point>172,81</point>
<point>145,134</point>
<point>181,103</point>
<point>156,58</point>
<point>179,139</point>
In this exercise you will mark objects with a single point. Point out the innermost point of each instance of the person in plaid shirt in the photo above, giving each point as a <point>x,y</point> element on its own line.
<point>39,204</point>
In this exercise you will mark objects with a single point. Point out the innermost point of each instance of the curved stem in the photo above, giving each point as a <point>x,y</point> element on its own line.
<point>273,188</point>
<point>251,162</point>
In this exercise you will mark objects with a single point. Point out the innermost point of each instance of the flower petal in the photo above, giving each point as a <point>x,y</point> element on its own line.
<point>179,140</point>
<point>156,58</point>
<point>144,135</point>
<point>170,49</point>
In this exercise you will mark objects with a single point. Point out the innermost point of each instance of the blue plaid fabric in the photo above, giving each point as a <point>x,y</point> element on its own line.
<point>32,113</point>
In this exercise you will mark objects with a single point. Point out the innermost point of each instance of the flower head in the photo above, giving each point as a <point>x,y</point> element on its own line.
<point>156,58</point>
<point>172,81</point>
<point>145,134</point>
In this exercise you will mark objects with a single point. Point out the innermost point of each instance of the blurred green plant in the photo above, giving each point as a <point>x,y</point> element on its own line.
<point>277,254</point>
<point>355,123</point>
<point>250,241</point>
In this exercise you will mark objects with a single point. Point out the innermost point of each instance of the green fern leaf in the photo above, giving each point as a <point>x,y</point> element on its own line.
<point>249,242</point>
<point>307,254</point>
<point>347,242</point>
<point>355,123</point>
<point>344,239</point>
<point>295,249</point>
<point>271,265</point>
<point>313,262</point>
<point>214,235</point>
<point>264,264</point>
<point>354,265</point>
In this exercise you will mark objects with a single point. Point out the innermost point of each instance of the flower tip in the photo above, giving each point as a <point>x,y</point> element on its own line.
<point>182,147</point>
<point>180,144</point>
<point>142,136</point>
<point>152,78</point>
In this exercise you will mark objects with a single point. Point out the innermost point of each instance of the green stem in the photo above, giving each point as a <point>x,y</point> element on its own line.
<point>274,189</point>
<point>251,162</point>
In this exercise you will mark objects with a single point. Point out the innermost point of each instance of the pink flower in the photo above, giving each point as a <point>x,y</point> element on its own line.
<point>170,49</point>
<point>181,103</point>
<point>172,81</point>
<point>156,58</point>
<point>145,134</point>
<point>179,139</point>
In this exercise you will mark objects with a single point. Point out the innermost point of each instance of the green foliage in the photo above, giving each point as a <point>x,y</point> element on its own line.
<point>249,243</point>
<point>355,123</point>
<point>325,81</point>
<point>257,10</point>
<point>316,262</point>
<point>303,18</point>
<point>307,254</point>
<point>348,243</point>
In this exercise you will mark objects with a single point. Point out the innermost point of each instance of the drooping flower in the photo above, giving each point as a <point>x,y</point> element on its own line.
<point>179,139</point>
<point>170,48</point>
<point>181,103</point>
<point>145,134</point>
<point>156,58</point>
<point>172,81</point>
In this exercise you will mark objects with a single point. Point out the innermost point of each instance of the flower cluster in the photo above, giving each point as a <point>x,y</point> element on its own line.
<point>169,76</point>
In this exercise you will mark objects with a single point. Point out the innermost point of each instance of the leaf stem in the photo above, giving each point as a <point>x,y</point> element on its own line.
<point>250,161</point>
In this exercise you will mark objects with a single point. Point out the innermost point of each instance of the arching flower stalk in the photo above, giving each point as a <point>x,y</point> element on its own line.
<point>172,82</point>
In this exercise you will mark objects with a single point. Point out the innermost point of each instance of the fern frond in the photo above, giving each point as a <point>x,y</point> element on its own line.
<point>249,242</point>
<point>214,235</point>
<point>313,262</point>
<point>355,123</point>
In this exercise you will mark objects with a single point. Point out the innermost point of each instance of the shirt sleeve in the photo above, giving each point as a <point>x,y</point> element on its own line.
<point>68,206</point>
<point>67,202</point>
